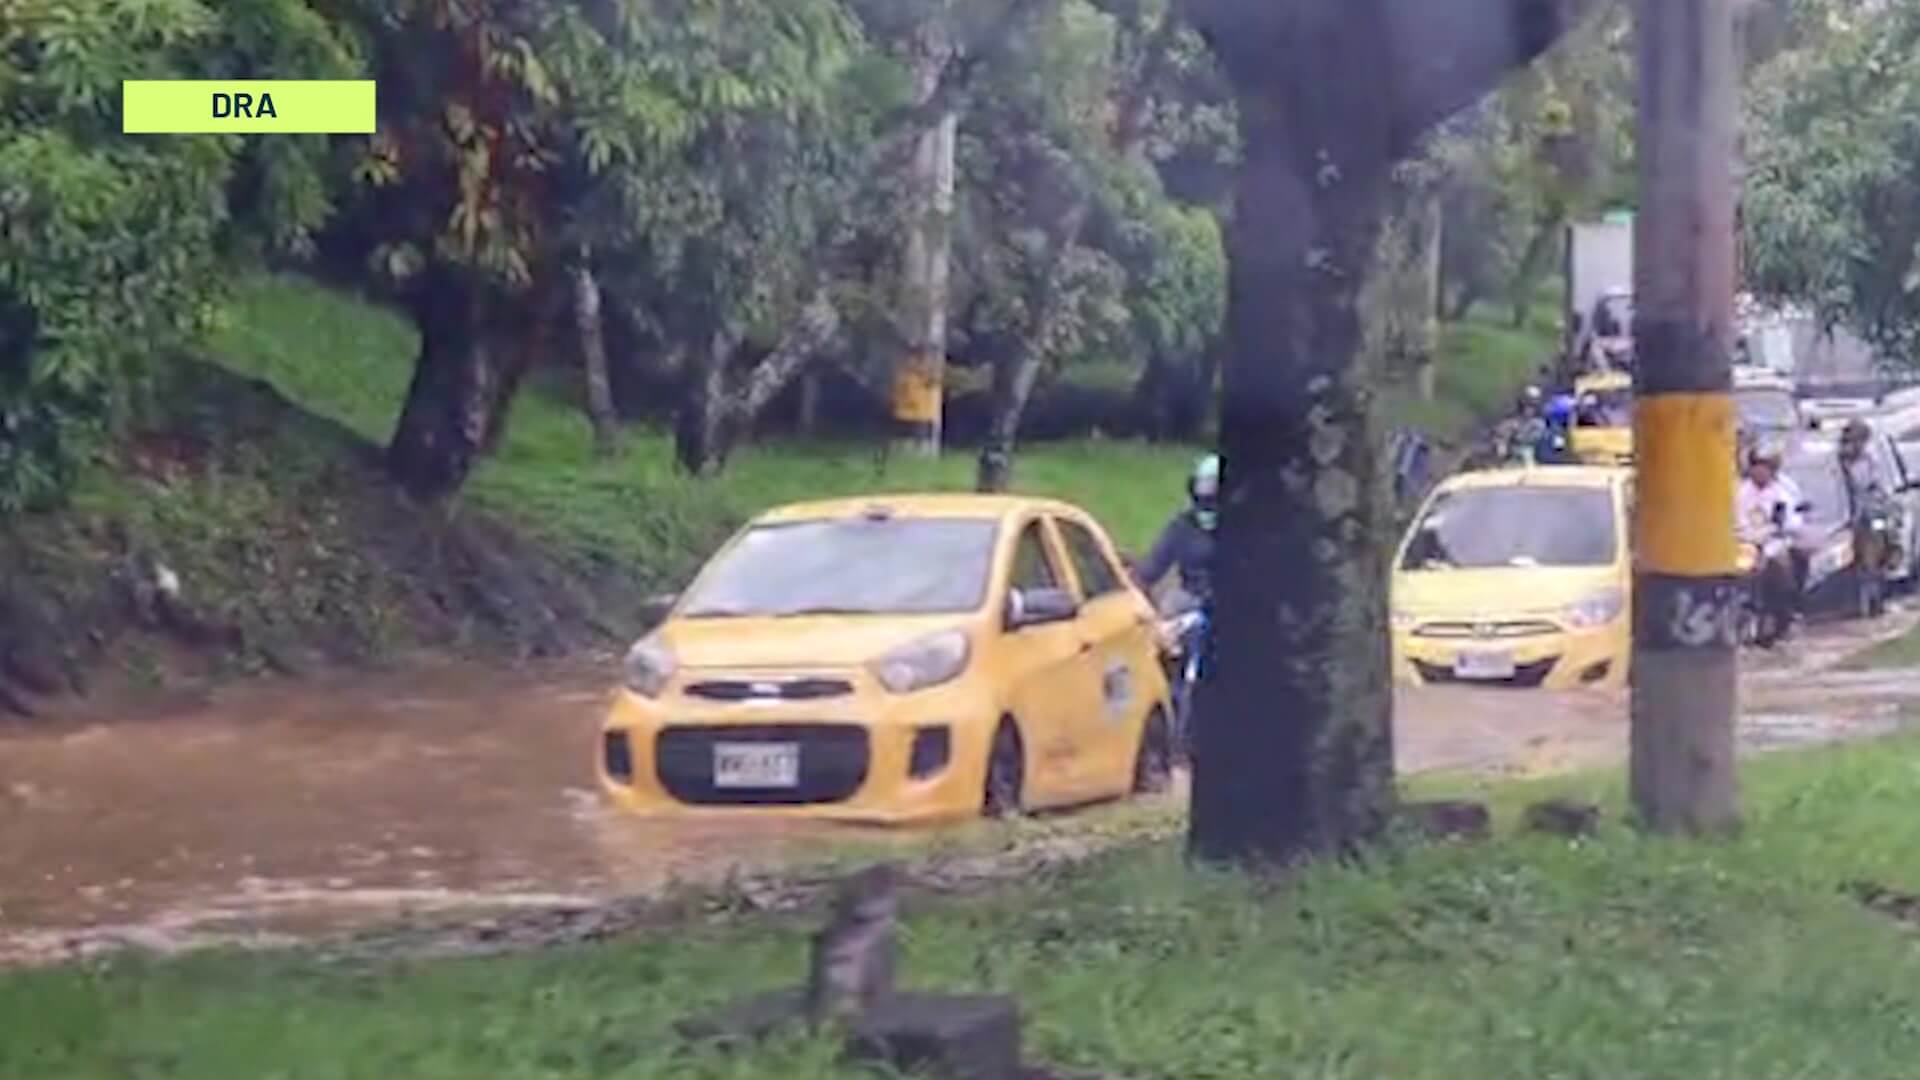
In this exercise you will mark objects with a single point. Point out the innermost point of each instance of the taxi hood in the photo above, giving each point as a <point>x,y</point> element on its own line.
<point>1498,591</point>
<point>797,642</point>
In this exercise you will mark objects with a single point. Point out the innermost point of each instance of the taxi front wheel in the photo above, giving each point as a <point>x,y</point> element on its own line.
<point>1153,762</point>
<point>1006,769</point>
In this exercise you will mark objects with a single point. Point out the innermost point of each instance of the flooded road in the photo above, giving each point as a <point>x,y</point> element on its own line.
<point>292,808</point>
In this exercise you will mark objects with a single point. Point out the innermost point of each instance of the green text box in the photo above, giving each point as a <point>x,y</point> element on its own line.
<point>248,106</point>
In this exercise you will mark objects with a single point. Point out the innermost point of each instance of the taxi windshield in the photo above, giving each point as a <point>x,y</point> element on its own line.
<point>1766,407</point>
<point>1481,528</point>
<point>850,566</point>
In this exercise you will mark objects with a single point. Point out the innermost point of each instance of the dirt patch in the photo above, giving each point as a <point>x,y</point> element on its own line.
<point>1902,907</point>
<point>247,536</point>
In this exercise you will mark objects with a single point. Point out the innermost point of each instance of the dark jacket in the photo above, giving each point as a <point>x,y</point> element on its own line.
<point>1185,544</point>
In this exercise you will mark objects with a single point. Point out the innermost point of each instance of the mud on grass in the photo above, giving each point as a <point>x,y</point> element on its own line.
<point>1614,956</point>
<point>290,548</point>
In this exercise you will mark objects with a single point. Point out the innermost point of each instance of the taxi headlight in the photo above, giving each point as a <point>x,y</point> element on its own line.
<point>1402,620</point>
<point>1597,610</point>
<point>648,666</point>
<point>929,661</point>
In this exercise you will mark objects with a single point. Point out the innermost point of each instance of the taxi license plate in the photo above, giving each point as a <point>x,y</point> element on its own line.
<point>756,765</point>
<point>1483,665</point>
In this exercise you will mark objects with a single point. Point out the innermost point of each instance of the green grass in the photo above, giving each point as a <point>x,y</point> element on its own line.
<point>1622,956</point>
<point>348,361</point>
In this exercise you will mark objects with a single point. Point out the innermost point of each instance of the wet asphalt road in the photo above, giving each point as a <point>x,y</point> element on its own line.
<point>303,807</point>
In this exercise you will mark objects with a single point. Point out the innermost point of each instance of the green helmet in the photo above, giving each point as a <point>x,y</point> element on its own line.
<point>1203,487</point>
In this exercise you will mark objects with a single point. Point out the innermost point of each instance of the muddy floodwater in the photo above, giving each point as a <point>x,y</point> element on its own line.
<point>283,808</point>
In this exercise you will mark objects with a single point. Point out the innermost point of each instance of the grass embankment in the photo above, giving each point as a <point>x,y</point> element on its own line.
<point>1621,956</point>
<point>272,508</point>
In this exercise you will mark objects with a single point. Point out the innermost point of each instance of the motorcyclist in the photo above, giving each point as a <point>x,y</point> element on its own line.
<point>1554,445</point>
<point>1863,472</point>
<point>1518,436</point>
<point>1186,543</point>
<point>1767,516</point>
<point>1867,489</point>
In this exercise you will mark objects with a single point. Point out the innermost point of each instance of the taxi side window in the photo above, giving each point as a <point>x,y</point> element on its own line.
<point>1097,575</point>
<point>1032,566</point>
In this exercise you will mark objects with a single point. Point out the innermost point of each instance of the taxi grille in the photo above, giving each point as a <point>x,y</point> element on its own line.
<point>834,759</point>
<point>812,689</point>
<point>1525,675</point>
<point>1513,628</point>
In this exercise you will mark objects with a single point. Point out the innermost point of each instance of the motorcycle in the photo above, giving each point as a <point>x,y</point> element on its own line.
<point>1762,624</point>
<point>1875,541</point>
<point>1183,638</point>
<point>1765,619</point>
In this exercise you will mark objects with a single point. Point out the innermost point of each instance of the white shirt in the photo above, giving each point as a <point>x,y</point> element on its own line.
<point>1754,508</point>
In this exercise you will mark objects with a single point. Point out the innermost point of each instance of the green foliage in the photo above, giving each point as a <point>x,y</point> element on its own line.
<point>1832,199</point>
<point>1625,955</point>
<point>1144,277</point>
<point>110,245</point>
<point>1554,145</point>
<point>512,132</point>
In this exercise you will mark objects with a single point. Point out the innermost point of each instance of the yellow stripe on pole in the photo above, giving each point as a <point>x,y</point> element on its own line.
<point>1684,444</point>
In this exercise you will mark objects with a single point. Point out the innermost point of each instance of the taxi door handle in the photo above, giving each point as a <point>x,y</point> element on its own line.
<point>1086,647</point>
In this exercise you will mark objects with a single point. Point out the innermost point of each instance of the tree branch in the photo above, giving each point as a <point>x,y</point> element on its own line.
<point>1447,54</point>
<point>957,78</point>
<point>816,324</point>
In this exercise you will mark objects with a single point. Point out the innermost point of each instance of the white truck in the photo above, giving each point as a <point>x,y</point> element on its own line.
<point>1599,272</point>
<point>1599,309</point>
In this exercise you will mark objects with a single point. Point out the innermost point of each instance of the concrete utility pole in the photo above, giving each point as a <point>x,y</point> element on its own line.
<point>1685,669</point>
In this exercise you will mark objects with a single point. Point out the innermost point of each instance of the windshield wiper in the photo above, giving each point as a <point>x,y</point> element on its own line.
<point>821,609</point>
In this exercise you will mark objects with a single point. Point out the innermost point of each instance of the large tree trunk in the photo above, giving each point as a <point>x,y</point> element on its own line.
<point>1294,732</point>
<point>920,372</point>
<point>593,358</point>
<point>454,400</point>
<point>1295,736</point>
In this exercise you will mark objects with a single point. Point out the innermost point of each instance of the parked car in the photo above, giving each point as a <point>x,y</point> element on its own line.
<point>1517,576</point>
<point>893,660</point>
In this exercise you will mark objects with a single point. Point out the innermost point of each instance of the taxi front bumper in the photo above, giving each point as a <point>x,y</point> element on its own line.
<point>1516,653</point>
<point>868,757</point>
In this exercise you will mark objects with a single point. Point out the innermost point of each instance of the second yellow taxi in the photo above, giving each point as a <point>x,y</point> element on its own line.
<point>1517,576</point>
<point>1603,424</point>
<point>896,659</point>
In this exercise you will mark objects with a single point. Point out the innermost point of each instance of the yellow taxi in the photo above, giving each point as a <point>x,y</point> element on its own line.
<point>895,660</point>
<point>1603,427</point>
<point>1517,577</point>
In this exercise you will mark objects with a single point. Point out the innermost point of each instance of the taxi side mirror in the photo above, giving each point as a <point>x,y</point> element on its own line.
<point>654,609</point>
<point>1038,607</point>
